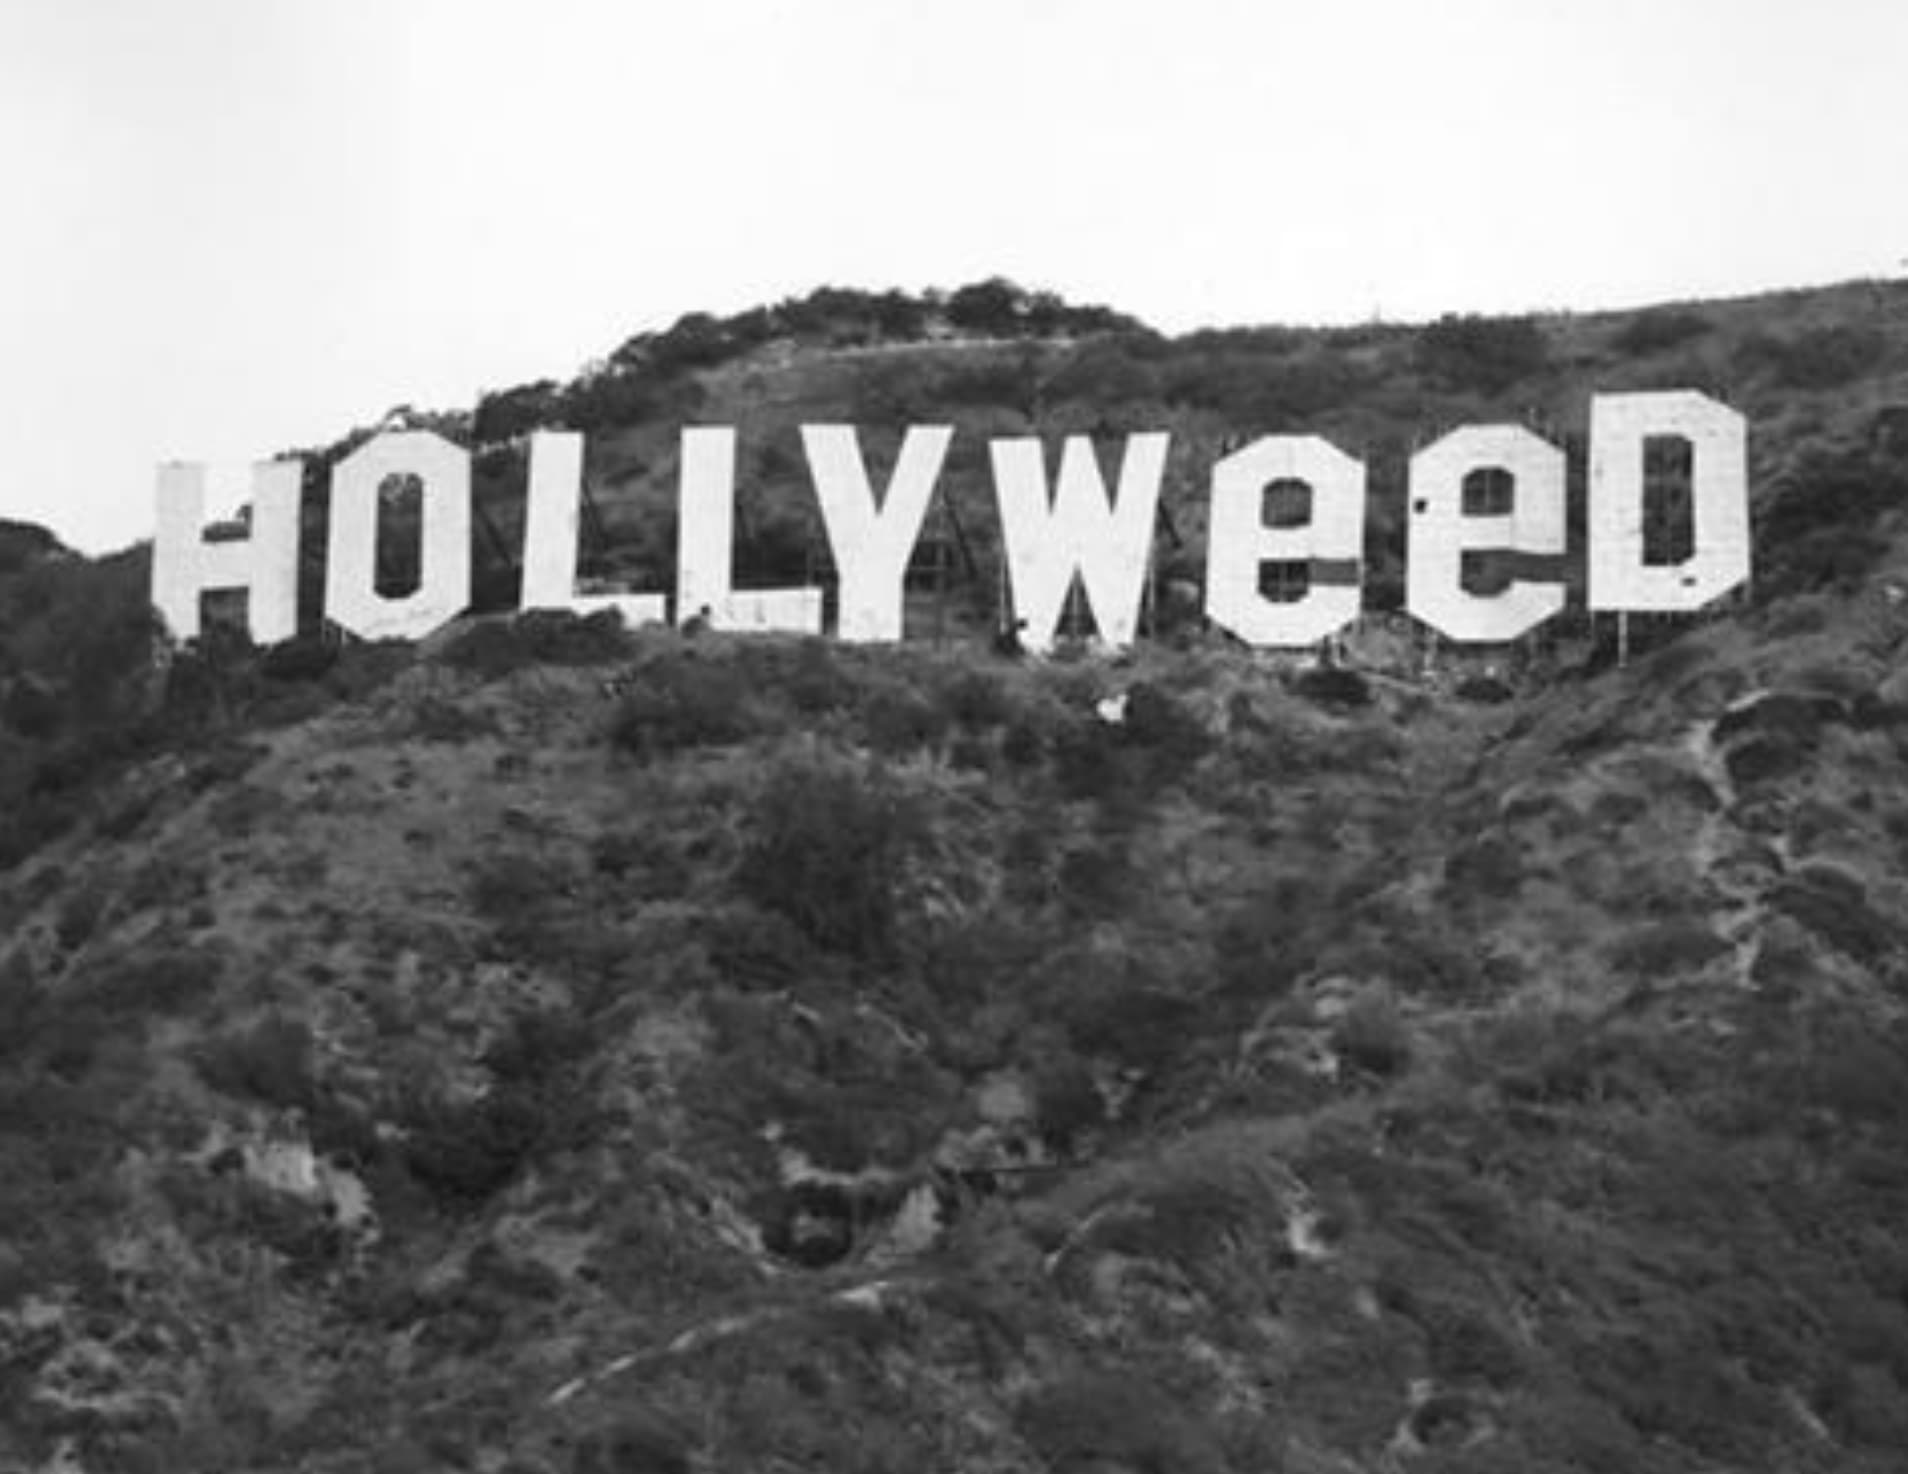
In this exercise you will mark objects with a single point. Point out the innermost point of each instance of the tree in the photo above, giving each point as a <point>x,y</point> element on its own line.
<point>994,307</point>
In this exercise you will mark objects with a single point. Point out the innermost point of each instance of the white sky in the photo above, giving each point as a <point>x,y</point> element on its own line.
<point>232,226</point>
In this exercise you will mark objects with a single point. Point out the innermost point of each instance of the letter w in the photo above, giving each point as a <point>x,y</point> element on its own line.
<point>1078,533</point>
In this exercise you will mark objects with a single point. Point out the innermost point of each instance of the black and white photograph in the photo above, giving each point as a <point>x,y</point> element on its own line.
<point>894,737</point>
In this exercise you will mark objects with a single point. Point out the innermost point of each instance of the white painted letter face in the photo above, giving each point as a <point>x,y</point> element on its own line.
<point>1048,542</point>
<point>1620,424</point>
<point>264,564</point>
<point>873,543</point>
<point>1051,536</point>
<point>704,566</point>
<point>550,536</point>
<point>443,586</point>
<point>1330,543</point>
<point>1441,532</point>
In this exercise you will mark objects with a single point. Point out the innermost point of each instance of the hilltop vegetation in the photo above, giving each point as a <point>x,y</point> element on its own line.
<point>570,1050</point>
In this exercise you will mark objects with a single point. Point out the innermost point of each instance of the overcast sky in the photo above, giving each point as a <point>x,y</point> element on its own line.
<point>234,226</point>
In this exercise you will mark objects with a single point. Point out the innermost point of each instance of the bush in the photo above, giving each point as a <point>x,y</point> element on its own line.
<point>1658,329</point>
<point>495,647</point>
<point>995,307</point>
<point>636,1443</point>
<point>1095,1420</point>
<point>540,1101</point>
<point>1834,905</point>
<point>1666,949</point>
<point>156,981</point>
<point>1271,940</point>
<point>1817,358</point>
<point>302,658</point>
<point>1333,687</point>
<point>465,1153</point>
<point>681,703</point>
<point>1485,354</point>
<point>1491,865</point>
<point>79,917</point>
<point>896,721</point>
<point>1821,527</point>
<point>1164,726</point>
<point>828,843</point>
<point>1372,1035</point>
<point>1485,690</point>
<point>270,1062</point>
<point>978,699</point>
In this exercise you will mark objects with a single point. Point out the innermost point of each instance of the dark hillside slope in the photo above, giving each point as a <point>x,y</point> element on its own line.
<point>569,1050</point>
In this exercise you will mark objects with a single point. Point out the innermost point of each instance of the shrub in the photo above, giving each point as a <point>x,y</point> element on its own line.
<point>1489,865</point>
<point>508,413</point>
<point>1857,1071</point>
<point>1666,949</point>
<point>1820,528</point>
<point>495,647</point>
<point>1817,358</point>
<point>564,637</point>
<point>1110,1420</point>
<point>1658,329</point>
<point>302,658</point>
<point>987,383</point>
<point>1086,760</point>
<point>1141,1026</point>
<point>978,699</point>
<point>828,843</point>
<point>1104,372</point>
<point>1481,353</point>
<point>1486,690</point>
<point>270,1062</point>
<point>435,719</point>
<point>1024,744</point>
<point>896,720</point>
<point>995,307</point>
<point>812,677</point>
<point>1156,721</point>
<point>540,1100</point>
<point>465,1153</point>
<point>636,1443</point>
<point>1465,1344</point>
<point>1271,940</point>
<point>1834,905</point>
<point>1333,687</point>
<point>1373,1036</point>
<point>681,703</point>
<point>79,917</point>
<point>158,980</point>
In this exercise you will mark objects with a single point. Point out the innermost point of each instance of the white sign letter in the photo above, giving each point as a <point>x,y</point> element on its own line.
<point>1077,533</point>
<point>550,532</point>
<point>443,584</point>
<point>264,564</point>
<point>705,547</point>
<point>1718,500</point>
<point>1523,517</point>
<point>872,544</point>
<point>1329,541</point>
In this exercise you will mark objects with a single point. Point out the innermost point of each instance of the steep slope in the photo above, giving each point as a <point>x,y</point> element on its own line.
<point>584,1050</point>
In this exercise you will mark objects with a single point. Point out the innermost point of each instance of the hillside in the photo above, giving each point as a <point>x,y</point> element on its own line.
<point>564,1050</point>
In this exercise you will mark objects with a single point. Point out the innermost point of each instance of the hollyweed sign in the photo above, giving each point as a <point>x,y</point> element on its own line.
<point>1052,533</point>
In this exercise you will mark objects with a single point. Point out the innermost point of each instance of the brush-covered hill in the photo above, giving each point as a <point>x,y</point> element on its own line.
<point>565,1050</point>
